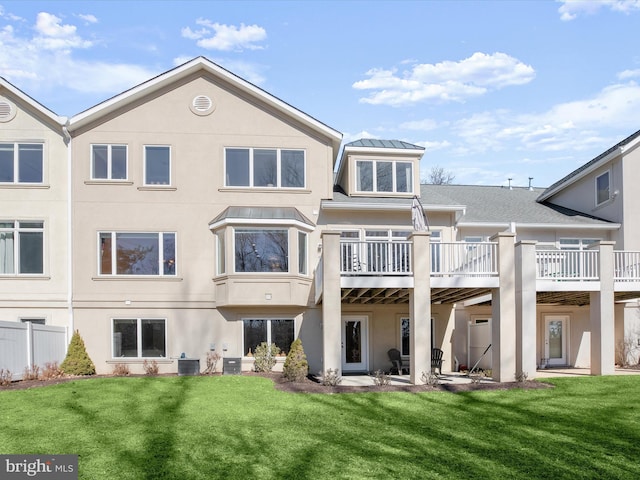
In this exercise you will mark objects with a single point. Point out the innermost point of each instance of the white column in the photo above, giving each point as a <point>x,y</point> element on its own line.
<point>331,302</point>
<point>503,323</point>
<point>602,315</point>
<point>420,307</point>
<point>526,313</point>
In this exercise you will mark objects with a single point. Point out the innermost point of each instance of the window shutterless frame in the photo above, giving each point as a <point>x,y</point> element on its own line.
<point>22,163</point>
<point>278,168</point>
<point>143,261</point>
<point>603,188</point>
<point>157,165</point>
<point>109,161</point>
<point>124,345</point>
<point>22,247</point>
<point>383,176</point>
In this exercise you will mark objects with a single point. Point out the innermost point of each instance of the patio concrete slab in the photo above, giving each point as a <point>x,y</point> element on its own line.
<point>364,380</point>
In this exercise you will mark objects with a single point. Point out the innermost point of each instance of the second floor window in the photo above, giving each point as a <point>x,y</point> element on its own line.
<point>21,248</point>
<point>139,253</point>
<point>602,188</point>
<point>264,168</point>
<point>261,250</point>
<point>109,162</point>
<point>157,165</point>
<point>384,176</point>
<point>21,163</point>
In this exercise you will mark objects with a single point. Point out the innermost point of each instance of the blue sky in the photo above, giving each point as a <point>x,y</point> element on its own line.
<point>492,90</point>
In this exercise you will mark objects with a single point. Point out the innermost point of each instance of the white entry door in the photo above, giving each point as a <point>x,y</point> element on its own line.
<point>355,346</point>
<point>555,339</point>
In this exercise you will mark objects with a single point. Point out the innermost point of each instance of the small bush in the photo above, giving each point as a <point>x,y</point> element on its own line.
<point>330,378</point>
<point>212,362</point>
<point>151,367</point>
<point>77,361</point>
<point>51,370</point>
<point>380,378</point>
<point>295,367</point>
<point>430,379</point>
<point>121,370</point>
<point>5,377</point>
<point>31,373</point>
<point>265,357</point>
<point>521,377</point>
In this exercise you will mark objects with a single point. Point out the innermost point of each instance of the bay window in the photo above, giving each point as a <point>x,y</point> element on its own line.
<point>261,250</point>
<point>264,168</point>
<point>138,253</point>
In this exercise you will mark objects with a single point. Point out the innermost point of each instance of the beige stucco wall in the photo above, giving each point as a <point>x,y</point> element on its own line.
<point>197,195</point>
<point>43,296</point>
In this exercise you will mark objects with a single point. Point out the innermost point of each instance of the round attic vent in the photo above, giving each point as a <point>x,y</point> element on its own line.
<point>202,105</point>
<point>7,111</point>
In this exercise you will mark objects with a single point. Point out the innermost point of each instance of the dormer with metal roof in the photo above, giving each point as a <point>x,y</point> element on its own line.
<point>380,168</point>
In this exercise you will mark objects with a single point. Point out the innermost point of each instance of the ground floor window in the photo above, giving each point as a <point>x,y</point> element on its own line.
<point>139,338</point>
<point>405,335</point>
<point>33,321</point>
<point>278,331</point>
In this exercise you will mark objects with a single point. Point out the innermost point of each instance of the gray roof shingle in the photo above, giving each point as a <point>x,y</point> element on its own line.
<point>375,143</point>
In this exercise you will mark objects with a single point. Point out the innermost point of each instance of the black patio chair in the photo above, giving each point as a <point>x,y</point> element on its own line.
<point>436,360</point>
<point>396,362</point>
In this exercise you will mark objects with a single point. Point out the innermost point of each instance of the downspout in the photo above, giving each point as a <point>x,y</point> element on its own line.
<point>67,141</point>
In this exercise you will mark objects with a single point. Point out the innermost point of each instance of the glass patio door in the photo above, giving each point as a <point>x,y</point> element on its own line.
<point>354,344</point>
<point>555,339</point>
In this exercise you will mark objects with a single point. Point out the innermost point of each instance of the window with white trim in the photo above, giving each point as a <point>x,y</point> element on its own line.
<point>265,168</point>
<point>384,176</point>
<point>157,165</point>
<point>302,253</point>
<point>405,335</point>
<point>109,162</point>
<point>139,338</point>
<point>221,251</point>
<point>603,188</point>
<point>137,253</point>
<point>278,331</point>
<point>21,248</point>
<point>21,163</point>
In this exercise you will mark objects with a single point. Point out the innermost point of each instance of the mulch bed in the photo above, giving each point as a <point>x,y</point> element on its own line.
<point>310,385</point>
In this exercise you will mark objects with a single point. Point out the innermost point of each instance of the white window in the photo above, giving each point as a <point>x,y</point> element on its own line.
<point>261,250</point>
<point>109,162</point>
<point>139,338</point>
<point>21,163</point>
<point>221,252</point>
<point>157,165</point>
<point>603,188</point>
<point>302,253</point>
<point>436,251</point>
<point>21,248</point>
<point>138,253</point>
<point>384,176</point>
<point>278,331</point>
<point>264,168</point>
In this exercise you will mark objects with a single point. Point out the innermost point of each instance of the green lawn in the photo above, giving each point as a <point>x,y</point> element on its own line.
<point>240,427</point>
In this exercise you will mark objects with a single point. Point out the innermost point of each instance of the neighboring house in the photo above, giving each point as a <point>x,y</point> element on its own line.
<point>205,216</point>
<point>34,239</point>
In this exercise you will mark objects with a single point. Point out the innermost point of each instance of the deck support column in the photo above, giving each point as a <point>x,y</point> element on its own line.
<point>602,314</point>
<point>420,307</point>
<point>331,302</point>
<point>526,313</point>
<point>503,323</point>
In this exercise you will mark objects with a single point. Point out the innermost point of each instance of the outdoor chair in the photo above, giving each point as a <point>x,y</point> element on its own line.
<point>436,360</point>
<point>396,361</point>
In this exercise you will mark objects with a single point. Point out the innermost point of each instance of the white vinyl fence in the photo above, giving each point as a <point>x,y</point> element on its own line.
<point>23,345</point>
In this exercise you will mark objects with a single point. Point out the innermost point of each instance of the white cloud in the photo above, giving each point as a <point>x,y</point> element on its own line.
<point>571,9</point>
<point>433,146</point>
<point>444,81</point>
<point>10,16</point>
<point>424,125</point>
<point>627,74</point>
<point>53,35</point>
<point>88,18</point>
<point>217,36</point>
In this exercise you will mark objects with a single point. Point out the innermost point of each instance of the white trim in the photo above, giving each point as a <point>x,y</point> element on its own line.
<point>363,365</point>
<point>109,179</point>
<point>282,222</point>
<point>334,205</point>
<point>114,262</point>
<point>566,326</point>
<point>609,187</point>
<point>138,320</point>
<point>562,226</point>
<point>144,166</point>
<point>36,105</point>
<point>268,319</point>
<point>416,152</point>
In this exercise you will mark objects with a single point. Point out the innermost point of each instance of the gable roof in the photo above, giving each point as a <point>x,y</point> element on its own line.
<point>597,162</point>
<point>373,145</point>
<point>206,65</point>
<point>39,109</point>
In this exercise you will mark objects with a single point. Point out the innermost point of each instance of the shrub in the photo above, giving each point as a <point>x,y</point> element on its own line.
<point>330,378</point>
<point>77,361</point>
<point>5,377</point>
<point>521,377</point>
<point>121,370</point>
<point>430,379</point>
<point>380,378</point>
<point>151,367</point>
<point>31,373</point>
<point>265,357</point>
<point>295,367</point>
<point>212,362</point>
<point>51,370</point>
